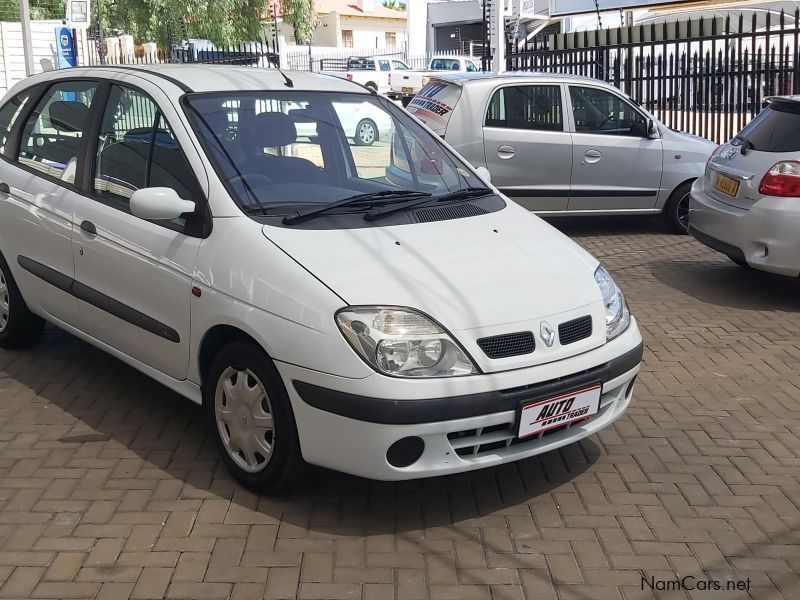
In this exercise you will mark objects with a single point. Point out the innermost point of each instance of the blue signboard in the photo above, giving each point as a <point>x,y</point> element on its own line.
<point>65,48</point>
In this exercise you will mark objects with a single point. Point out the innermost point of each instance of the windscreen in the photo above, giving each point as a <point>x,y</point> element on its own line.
<point>276,151</point>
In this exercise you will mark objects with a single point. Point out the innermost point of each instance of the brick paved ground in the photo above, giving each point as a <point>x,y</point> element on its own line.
<point>110,489</point>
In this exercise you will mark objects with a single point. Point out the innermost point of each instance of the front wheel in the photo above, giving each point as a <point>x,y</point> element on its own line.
<point>676,210</point>
<point>250,416</point>
<point>366,133</point>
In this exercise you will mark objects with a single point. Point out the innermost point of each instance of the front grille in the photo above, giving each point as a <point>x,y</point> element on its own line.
<point>509,344</point>
<point>575,330</point>
<point>446,213</point>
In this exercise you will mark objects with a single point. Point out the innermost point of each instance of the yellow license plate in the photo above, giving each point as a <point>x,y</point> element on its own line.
<point>726,185</point>
<point>408,90</point>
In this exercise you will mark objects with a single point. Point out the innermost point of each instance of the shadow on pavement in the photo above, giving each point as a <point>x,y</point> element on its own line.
<point>722,283</point>
<point>111,410</point>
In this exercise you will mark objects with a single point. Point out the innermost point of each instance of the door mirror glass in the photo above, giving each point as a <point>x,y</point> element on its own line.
<point>159,203</point>
<point>651,128</point>
<point>484,174</point>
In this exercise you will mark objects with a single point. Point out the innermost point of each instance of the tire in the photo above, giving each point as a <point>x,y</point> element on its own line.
<point>19,327</point>
<point>257,440</point>
<point>676,210</point>
<point>366,133</point>
<point>372,85</point>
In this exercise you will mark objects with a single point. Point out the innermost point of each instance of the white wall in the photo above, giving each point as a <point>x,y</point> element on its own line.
<point>12,57</point>
<point>371,32</point>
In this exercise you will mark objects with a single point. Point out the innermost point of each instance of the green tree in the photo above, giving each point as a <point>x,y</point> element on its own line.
<point>221,21</point>
<point>394,4</point>
<point>40,9</point>
<point>302,16</point>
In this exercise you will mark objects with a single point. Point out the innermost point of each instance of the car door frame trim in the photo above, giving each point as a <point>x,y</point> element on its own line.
<point>98,299</point>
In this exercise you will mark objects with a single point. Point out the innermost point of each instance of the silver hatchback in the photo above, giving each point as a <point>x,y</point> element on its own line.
<point>565,145</point>
<point>747,205</point>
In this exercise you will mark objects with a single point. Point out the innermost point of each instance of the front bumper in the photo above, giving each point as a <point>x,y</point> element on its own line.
<point>764,235</point>
<point>343,427</point>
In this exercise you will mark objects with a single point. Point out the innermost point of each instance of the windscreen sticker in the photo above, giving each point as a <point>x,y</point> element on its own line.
<point>434,103</point>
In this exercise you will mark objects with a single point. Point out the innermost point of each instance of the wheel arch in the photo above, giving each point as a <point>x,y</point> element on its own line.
<point>688,181</point>
<point>215,339</point>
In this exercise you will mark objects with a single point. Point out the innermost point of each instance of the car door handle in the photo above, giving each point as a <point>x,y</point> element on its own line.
<point>592,156</point>
<point>4,188</point>
<point>89,227</point>
<point>506,152</point>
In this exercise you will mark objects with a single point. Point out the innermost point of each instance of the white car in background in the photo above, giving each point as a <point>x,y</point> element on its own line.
<point>747,205</point>
<point>385,313</point>
<point>363,123</point>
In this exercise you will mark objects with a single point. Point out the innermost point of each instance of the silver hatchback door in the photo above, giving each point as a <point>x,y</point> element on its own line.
<point>617,166</point>
<point>528,151</point>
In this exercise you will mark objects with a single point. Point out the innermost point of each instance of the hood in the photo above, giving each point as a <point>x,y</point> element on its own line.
<point>499,273</point>
<point>695,142</point>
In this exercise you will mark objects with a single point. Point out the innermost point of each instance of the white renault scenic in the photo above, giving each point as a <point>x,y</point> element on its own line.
<point>380,310</point>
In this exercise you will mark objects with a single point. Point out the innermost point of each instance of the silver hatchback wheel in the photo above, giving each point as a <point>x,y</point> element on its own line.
<point>4,307</point>
<point>366,134</point>
<point>244,419</point>
<point>683,211</point>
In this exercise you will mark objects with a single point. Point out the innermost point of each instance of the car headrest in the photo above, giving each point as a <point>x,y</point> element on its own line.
<point>68,116</point>
<point>273,129</point>
<point>542,105</point>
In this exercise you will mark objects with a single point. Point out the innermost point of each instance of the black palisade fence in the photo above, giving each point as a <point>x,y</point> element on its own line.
<point>707,76</point>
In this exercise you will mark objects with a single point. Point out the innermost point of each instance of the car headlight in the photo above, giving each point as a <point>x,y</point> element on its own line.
<point>618,317</point>
<point>403,343</point>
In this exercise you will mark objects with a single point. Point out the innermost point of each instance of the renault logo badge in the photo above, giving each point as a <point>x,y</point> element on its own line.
<point>547,334</point>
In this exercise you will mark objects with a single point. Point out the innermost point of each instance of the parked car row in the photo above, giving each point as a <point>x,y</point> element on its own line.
<point>368,304</point>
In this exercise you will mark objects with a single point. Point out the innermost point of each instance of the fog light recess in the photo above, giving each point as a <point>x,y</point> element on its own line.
<point>405,452</point>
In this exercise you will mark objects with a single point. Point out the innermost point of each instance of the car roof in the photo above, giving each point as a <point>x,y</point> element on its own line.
<point>200,77</point>
<point>463,78</point>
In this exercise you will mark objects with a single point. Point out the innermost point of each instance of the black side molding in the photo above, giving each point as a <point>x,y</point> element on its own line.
<point>407,412</point>
<point>98,299</point>
<point>554,193</point>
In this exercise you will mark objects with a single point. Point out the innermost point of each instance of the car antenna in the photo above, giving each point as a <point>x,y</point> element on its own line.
<point>288,82</point>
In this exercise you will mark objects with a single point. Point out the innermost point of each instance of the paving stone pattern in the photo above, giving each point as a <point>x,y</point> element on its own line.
<point>110,487</point>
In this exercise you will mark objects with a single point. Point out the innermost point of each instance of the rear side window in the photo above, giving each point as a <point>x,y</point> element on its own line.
<point>434,104</point>
<point>52,135</point>
<point>776,129</point>
<point>535,107</point>
<point>8,116</point>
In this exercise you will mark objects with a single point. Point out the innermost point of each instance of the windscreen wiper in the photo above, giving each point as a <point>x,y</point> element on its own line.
<point>352,200</point>
<point>747,145</point>
<point>464,194</point>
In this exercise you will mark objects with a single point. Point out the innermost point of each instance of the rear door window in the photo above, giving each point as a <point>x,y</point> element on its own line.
<point>434,104</point>
<point>535,107</point>
<point>776,129</point>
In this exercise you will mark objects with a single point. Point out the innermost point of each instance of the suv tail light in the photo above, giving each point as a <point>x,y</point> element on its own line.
<point>425,80</point>
<point>349,77</point>
<point>783,179</point>
<point>390,79</point>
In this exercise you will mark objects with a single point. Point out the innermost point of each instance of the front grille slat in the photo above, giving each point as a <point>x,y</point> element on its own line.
<point>575,330</point>
<point>509,344</point>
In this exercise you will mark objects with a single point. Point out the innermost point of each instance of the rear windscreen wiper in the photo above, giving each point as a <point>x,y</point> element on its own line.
<point>747,145</point>
<point>353,200</point>
<point>465,194</point>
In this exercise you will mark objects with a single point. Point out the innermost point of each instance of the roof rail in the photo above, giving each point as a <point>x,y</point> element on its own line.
<point>155,72</point>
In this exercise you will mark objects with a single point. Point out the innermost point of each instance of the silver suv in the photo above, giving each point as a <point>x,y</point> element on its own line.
<point>748,204</point>
<point>565,145</point>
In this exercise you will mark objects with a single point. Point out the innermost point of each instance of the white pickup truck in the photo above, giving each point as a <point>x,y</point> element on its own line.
<point>404,86</point>
<point>370,71</point>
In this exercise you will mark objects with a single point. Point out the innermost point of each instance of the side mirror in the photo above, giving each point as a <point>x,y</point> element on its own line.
<point>484,174</point>
<point>159,203</point>
<point>651,129</point>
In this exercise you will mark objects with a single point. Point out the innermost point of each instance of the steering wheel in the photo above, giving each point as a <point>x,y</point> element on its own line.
<point>248,179</point>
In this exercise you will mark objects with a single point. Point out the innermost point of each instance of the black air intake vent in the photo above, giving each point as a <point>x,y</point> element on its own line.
<point>509,344</point>
<point>575,330</point>
<point>446,213</point>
